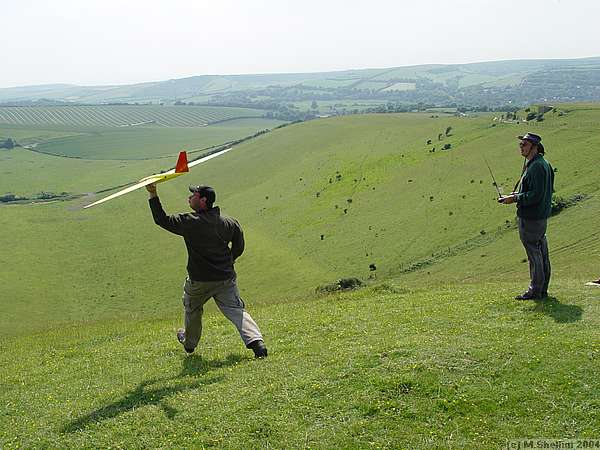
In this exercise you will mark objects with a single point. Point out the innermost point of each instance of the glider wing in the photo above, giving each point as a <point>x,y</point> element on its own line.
<point>181,168</point>
<point>206,158</point>
<point>145,182</point>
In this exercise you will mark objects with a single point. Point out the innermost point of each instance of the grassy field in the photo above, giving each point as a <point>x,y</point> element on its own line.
<point>434,353</point>
<point>122,115</point>
<point>100,158</point>
<point>458,367</point>
<point>341,105</point>
<point>150,143</point>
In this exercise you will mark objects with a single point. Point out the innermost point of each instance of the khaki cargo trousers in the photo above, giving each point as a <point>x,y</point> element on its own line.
<point>227,297</point>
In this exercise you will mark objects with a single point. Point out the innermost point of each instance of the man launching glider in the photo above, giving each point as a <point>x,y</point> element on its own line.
<point>208,236</point>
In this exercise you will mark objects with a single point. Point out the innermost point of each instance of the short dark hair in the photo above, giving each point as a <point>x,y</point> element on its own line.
<point>206,192</point>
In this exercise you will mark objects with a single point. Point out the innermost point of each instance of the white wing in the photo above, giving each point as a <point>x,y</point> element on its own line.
<point>206,158</point>
<point>146,182</point>
<point>154,179</point>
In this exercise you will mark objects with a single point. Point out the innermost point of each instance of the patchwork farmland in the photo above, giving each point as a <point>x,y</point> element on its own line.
<point>123,115</point>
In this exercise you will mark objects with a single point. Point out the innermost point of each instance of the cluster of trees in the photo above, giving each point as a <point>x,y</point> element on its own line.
<point>510,115</point>
<point>539,115</point>
<point>7,198</point>
<point>290,113</point>
<point>399,107</point>
<point>8,143</point>
<point>180,103</point>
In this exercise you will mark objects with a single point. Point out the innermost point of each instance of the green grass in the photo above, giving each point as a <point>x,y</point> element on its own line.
<point>271,184</point>
<point>341,105</point>
<point>459,367</point>
<point>149,143</point>
<point>27,135</point>
<point>433,353</point>
<point>101,158</point>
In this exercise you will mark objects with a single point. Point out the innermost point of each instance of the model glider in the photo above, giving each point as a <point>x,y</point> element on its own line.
<point>181,168</point>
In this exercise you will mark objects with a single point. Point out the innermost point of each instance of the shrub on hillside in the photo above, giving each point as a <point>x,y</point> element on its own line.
<point>343,284</point>
<point>7,198</point>
<point>8,143</point>
<point>559,203</point>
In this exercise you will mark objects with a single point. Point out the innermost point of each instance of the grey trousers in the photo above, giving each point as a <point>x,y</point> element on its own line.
<point>227,298</point>
<point>533,236</point>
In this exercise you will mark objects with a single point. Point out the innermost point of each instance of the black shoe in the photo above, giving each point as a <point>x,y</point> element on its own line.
<point>259,348</point>
<point>528,296</point>
<point>181,339</point>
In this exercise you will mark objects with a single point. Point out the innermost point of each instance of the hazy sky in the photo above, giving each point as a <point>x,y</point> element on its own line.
<point>125,41</point>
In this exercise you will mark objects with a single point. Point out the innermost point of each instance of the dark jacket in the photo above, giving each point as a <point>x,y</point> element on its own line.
<point>534,200</point>
<point>207,235</point>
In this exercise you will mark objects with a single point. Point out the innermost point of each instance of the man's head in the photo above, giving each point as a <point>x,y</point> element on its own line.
<point>530,145</point>
<point>202,198</point>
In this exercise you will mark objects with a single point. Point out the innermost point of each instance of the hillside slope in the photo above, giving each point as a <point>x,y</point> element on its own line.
<point>434,353</point>
<point>462,367</point>
<point>318,201</point>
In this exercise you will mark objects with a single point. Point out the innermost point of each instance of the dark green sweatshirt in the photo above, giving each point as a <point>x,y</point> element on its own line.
<point>207,235</point>
<point>534,200</point>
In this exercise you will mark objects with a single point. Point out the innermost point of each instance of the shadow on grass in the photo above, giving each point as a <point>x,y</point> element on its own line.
<point>561,313</point>
<point>154,391</point>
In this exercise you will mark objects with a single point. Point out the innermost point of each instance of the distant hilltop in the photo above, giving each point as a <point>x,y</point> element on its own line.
<point>490,84</point>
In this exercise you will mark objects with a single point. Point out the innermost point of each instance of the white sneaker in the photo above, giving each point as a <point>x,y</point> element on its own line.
<point>181,339</point>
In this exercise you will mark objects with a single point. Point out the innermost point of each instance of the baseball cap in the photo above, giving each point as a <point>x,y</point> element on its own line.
<point>205,191</point>
<point>534,139</point>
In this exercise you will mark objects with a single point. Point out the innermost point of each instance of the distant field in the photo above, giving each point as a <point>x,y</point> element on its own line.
<point>29,135</point>
<point>401,87</point>
<point>331,82</point>
<point>102,157</point>
<point>372,84</point>
<point>123,115</point>
<point>151,142</point>
<point>475,79</point>
<point>327,106</point>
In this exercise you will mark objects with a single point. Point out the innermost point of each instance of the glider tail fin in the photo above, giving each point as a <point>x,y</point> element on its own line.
<point>182,163</point>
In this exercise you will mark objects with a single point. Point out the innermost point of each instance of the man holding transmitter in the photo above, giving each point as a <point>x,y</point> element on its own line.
<point>207,236</point>
<point>534,198</point>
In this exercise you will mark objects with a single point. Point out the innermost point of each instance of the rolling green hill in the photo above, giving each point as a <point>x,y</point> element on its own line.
<point>329,197</point>
<point>150,143</point>
<point>434,352</point>
<point>482,84</point>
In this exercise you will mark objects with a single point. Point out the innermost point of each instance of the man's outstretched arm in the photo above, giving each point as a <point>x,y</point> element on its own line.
<point>170,223</point>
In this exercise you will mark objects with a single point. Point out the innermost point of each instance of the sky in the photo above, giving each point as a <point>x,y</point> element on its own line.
<point>91,42</point>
